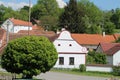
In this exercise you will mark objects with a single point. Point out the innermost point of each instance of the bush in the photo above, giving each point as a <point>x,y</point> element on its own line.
<point>82,68</point>
<point>116,70</point>
<point>30,55</point>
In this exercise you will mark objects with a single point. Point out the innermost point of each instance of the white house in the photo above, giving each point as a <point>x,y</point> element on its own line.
<point>15,25</point>
<point>70,53</point>
<point>112,51</point>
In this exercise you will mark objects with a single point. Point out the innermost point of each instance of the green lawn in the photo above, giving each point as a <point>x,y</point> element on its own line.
<point>77,72</point>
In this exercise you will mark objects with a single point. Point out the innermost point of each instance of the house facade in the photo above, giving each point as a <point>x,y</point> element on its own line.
<point>70,53</point>
<point>112,51</point>
<point>15,25</point>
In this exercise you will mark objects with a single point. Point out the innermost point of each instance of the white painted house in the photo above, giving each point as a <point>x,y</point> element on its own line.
<point>70,53</point>
<point>15,25</point>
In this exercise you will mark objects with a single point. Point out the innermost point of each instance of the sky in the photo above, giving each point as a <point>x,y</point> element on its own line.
<point>102,4</point>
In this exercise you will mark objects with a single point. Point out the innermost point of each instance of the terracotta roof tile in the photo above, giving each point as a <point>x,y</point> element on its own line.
<point>20,22</point>
<point>92,39</point>
<point>110,48</point>
<point>106,46</point>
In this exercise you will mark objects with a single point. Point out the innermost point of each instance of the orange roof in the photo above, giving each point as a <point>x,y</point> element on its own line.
<point>20,22</point>
<point>92,39</point>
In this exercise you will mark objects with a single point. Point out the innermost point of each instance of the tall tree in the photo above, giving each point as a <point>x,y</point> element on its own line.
<point>70,17</point>
<point>116,18</point>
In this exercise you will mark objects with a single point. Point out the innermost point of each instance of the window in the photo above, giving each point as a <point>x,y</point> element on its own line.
<point>70,44</point>
<point>58,44</point>
<point>71,61</point>
<point>61,60</point>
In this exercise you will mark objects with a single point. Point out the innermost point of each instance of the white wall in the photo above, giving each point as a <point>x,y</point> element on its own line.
<point>18,28</point>
<point>116,58</point>
<point>99,68</point>
<point>78,59</point>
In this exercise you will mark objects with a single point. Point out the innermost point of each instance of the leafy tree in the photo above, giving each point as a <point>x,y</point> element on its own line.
<point>96,58</point>
<point>29,55</point>
<point>109,27</point>
<point>115,18</point>
<point>70,17</point>
<point>46,10</point>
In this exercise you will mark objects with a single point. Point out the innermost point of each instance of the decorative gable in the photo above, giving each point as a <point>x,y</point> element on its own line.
<point>66,44</point>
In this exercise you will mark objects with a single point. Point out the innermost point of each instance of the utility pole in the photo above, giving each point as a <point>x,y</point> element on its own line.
<point>7,33</point>
<point>29,17</point>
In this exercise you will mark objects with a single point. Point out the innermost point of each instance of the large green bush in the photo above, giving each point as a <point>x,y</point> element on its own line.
<point>29,55</point>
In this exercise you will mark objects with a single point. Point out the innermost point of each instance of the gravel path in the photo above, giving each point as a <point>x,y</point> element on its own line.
<point>64,76</point>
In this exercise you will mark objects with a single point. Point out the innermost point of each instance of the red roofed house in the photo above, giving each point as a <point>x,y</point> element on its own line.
<point>15,25</point>
<point>91,41</point>
<point>112,50</point>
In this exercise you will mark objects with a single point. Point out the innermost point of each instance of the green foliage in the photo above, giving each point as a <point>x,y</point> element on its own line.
<point>109,27</point>
<point>70,17</point>
<point>47,11</point>
<point>82,68</point>
<point>118,40</point>
<point>29,55</point>
<point>116,70</point>
<point>115,18</point>
<point>96,58</point>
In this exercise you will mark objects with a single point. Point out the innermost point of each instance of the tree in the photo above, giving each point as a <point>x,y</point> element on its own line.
<point>96,58</point>
<point>29,55</point>
<point>46,10</point>
<point>115,18</point>
<point>109,27</point>
<point>70,17</point>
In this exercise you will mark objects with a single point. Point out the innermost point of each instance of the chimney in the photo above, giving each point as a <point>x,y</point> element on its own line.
<point>103,34</point>
<point>63,29</point>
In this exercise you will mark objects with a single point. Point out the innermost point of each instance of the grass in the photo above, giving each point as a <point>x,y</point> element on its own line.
<point>77,72</point>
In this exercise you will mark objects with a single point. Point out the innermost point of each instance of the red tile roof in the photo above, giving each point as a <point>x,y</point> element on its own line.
<point>92,39</point>
<point>20,22</point>
<point>36,32</point>
<point>106,46</point>
<point>110,48</point>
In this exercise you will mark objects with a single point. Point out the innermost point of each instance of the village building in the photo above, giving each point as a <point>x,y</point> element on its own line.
<point>91,41</point>
<point>70,53</point>
<point>112,51</point>
<point>15,25</point>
